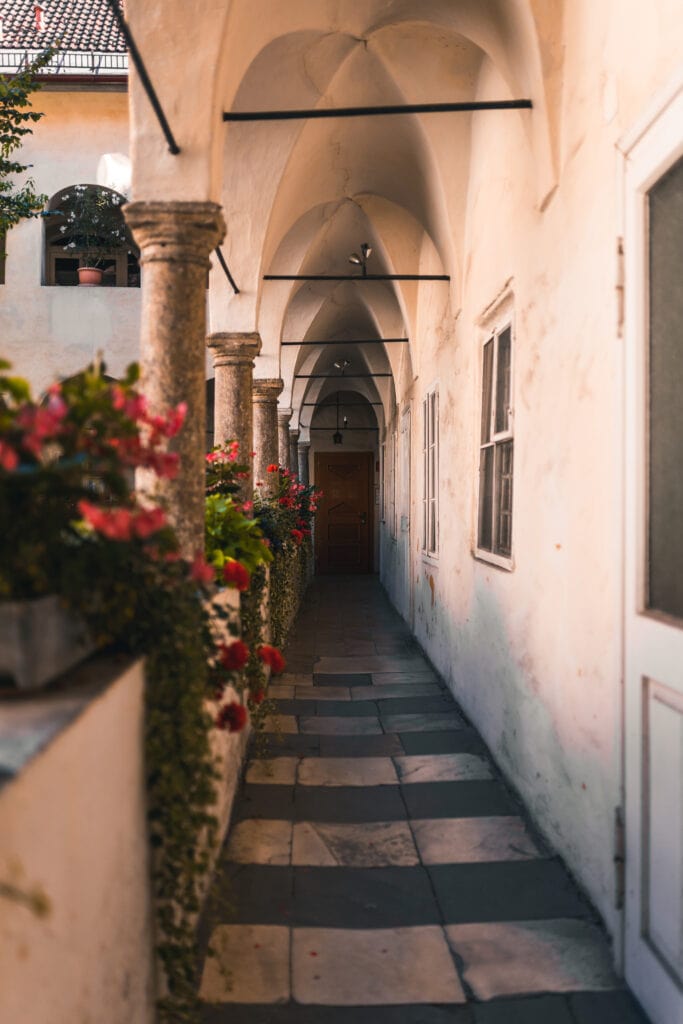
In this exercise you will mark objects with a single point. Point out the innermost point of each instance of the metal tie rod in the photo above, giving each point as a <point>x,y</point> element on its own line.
<point>350,341</point>
<point>226,269</point>
<point>336,376</point>
<point>352,277</point>
<point>406,108</point>
<point>173,146</point>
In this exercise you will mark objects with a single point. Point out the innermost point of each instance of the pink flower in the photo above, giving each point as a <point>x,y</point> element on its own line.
<point>273,657</point>
<point>115,524</point>
<point>9,459</point>
<point>175,420</point>
<point>201,571</point>
<point>235,575</point>
<point>248,506</point>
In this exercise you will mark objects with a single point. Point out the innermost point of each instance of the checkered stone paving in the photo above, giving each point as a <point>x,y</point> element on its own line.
<point>378,870</point>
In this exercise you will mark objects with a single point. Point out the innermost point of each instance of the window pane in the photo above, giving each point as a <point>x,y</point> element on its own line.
<point>503,380</point>
<point>485,535</point>
<point>504,498</point>
<point>665,540</point>
<point>487,374</point>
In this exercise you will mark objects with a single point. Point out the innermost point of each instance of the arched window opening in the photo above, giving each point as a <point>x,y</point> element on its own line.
<point>84,228</point>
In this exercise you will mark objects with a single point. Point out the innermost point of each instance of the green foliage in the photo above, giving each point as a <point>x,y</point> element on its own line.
<point>251,619</point>
<point>230,534</point>
<point>18,202</point>
<point>289,578</point>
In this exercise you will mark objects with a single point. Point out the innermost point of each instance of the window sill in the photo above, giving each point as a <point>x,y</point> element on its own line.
<point>430,557</point>
<point>499,561</point>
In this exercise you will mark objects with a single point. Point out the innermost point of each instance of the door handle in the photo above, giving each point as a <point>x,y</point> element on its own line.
<point>363,518</point>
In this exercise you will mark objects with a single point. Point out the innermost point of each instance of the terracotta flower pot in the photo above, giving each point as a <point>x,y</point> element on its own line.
<point>89,277</point>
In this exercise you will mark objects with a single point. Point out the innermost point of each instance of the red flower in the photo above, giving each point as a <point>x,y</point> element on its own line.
<point>235,575</point>
<point>201,571</point>
<point>272,468</point>
<point>273,657</point>
<point>9,459</point>
<point>297,536</point>
<point>149,521</point>
<point>232,717</point>
<point>235,656</point>
<point>257,698</point>
<point>115,524</point>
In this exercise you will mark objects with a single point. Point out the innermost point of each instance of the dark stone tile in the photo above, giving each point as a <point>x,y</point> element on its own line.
<point>537,1010</point>
<point>346,708</point>
<point>285,745</point>
<point>342,679</point>
<point>479,799</point>
<point>361,746</point>
<point>265,801</point>
<point>458,741</point>
<point>257,894</point>
<point>417,705</point>
<point>510,891</point>
<point>299,664</point>
<point>295,707</point>
<point>363,897</point>
<point>606,1008</point>
<point>295,1013</point>
<point>348,804</point>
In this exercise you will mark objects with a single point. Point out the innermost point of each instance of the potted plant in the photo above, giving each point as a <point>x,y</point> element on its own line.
<point>93,229</point>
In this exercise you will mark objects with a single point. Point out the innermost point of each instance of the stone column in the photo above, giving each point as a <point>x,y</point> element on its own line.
<point>283,418</point>
<point>303,449</point>
<point>175,240</point>
<point>265,395</point>
<point>293,460</point>
<point>233,358</point>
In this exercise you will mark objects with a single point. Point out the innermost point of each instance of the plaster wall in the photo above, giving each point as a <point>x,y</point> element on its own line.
<point>72,825</point>
<point>51,332</point>
<point>534,654</point>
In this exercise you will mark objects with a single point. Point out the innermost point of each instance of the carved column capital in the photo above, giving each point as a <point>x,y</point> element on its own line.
<point>267,389</point>
<point>175,232</point>
<point>234,348</point>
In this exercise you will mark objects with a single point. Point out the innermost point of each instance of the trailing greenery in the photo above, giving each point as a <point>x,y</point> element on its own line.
<point>17,202</point>
<point>251,621</point>
<point>289,578</point>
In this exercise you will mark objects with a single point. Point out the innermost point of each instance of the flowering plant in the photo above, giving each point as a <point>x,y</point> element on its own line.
<point>66,464</point>
<point>287,515</point>
<point>93,225</point>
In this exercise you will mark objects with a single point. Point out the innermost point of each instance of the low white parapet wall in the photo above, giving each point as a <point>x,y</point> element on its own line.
<point>75,907</point>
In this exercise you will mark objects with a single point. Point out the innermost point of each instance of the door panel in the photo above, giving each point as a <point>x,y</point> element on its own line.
<point>343,535</point>
<point>653,566</point>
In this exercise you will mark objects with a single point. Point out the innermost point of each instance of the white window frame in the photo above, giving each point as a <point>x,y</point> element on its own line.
<point>430,472</point>
<point>495,321</point>
<point>393,511</point>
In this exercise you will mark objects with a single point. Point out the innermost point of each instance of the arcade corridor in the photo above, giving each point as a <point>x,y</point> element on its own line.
<point>378,870</point>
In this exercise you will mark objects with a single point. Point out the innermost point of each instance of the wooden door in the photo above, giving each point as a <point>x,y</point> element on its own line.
<point>653,597</point>
<point>343,530</point>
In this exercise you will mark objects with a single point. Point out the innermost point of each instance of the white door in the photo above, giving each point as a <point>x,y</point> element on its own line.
<point>653,598</point>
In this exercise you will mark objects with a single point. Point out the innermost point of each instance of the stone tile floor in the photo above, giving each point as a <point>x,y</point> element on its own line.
<point>378,870</point>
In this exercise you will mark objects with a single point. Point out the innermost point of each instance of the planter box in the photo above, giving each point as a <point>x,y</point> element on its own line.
<point>39,640</point>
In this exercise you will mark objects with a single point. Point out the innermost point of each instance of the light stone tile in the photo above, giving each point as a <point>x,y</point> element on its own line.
<point>260,841</point>
<point>402,678</point>
<point>251,965</point>
<point>473,840</point>
<point>280,691</point>
<point>323,693</point>
<point>387,692</point>
<point>375,967</point>
<point>347,771</point>
<point>439,722</point>
<point>279,771</point>
<point>283,724</point>
<point>532,956</point>
<point>331,726</point>
<point>296,678</point>
<point>368,845</point>
<point>442,768</point>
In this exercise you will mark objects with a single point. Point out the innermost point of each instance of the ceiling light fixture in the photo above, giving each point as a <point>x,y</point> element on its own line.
<point>341,364</point>
<point>362,259</point>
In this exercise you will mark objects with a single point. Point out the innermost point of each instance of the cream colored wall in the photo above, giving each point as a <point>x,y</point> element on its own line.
<point>72,824</point>
<point>50,332</point>
<point>534,655</point>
